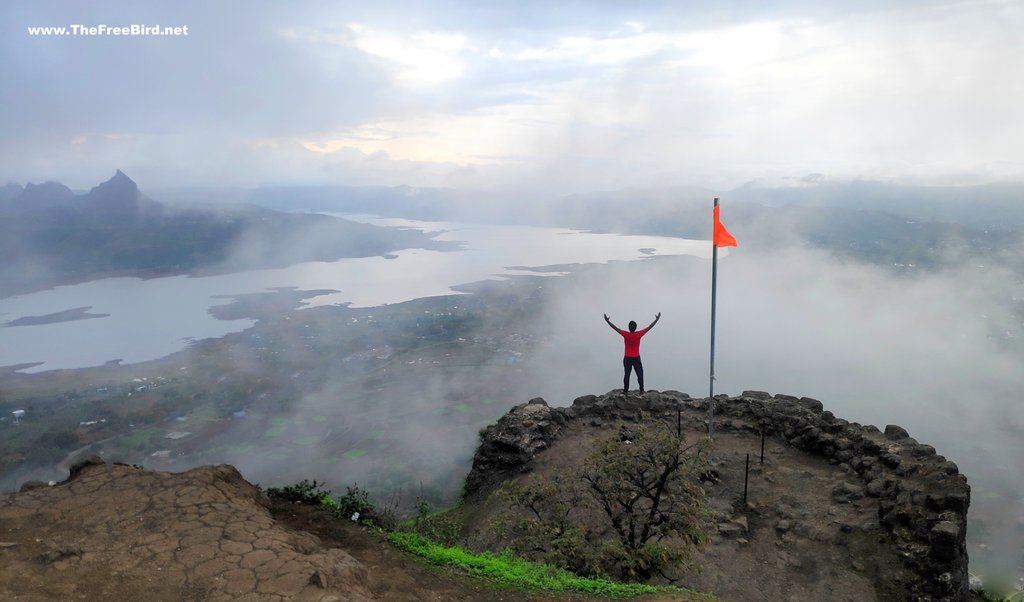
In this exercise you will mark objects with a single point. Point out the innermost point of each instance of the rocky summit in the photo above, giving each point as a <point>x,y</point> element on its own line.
<point>843,495</point>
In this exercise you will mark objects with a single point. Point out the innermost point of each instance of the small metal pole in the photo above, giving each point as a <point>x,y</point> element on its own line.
<point>746,473</point>
<point>763,427</point>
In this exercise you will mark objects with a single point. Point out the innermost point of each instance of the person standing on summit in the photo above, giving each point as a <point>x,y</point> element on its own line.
<point>631,358</point>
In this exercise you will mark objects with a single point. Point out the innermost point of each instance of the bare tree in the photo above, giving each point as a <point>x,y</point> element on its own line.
<point>646,483</point>
<point>634,508</point>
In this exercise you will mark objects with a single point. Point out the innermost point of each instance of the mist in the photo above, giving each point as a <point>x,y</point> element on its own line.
<point>936,352</point>
<point>876,345</point>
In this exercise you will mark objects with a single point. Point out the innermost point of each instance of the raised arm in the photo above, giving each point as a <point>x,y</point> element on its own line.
<point>614,327</point>
<point>656,318</point>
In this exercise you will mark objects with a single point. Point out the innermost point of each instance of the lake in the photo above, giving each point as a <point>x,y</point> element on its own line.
<point>135,320</point>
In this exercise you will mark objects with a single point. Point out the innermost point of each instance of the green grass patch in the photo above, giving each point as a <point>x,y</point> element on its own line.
<point>138,439</point>
<point>508,570</point>
<point>274,432</point>
<point>355,453</point>
<point>319,418</point>
<point>310,440</point>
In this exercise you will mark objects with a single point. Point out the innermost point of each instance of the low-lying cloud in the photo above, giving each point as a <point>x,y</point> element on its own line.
<point>877,346</point>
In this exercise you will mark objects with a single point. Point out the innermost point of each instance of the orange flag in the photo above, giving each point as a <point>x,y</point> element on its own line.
<point>722,236</point>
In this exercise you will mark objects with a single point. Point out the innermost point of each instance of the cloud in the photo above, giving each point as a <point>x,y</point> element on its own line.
<point>591,50</point>
<point>928,352</point>
<point>592,95</point>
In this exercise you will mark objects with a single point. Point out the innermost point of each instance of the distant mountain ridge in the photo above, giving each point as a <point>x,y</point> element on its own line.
<point>10,191</point>
<point>984,206</point>
<point>36,198</point>
<point>119,198</point>
<point>116,200</point>
<point>49,235</point>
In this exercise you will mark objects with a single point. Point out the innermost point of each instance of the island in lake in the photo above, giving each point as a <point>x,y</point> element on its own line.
<point>68,315</point>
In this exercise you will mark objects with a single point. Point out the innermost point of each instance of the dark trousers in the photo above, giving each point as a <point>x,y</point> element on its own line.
<point>629,364</point>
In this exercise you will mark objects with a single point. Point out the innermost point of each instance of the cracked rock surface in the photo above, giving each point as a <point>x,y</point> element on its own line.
<point>115,532</point>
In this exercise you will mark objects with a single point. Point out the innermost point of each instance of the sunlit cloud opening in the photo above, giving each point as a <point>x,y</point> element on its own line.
<point>420,59</point>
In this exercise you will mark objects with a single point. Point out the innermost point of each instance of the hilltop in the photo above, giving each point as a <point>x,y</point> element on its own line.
<point>837,511</point>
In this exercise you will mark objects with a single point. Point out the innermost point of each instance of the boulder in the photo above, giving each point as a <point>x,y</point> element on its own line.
<point>922,450</point>
<point>896,433</point>
<point>811,404</point>
<point>584,401</point>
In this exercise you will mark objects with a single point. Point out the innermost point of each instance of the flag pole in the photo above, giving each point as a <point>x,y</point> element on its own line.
<point>714,291</point>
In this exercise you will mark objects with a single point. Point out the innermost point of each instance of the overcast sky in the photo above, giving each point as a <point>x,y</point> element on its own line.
<point>554,95</point>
